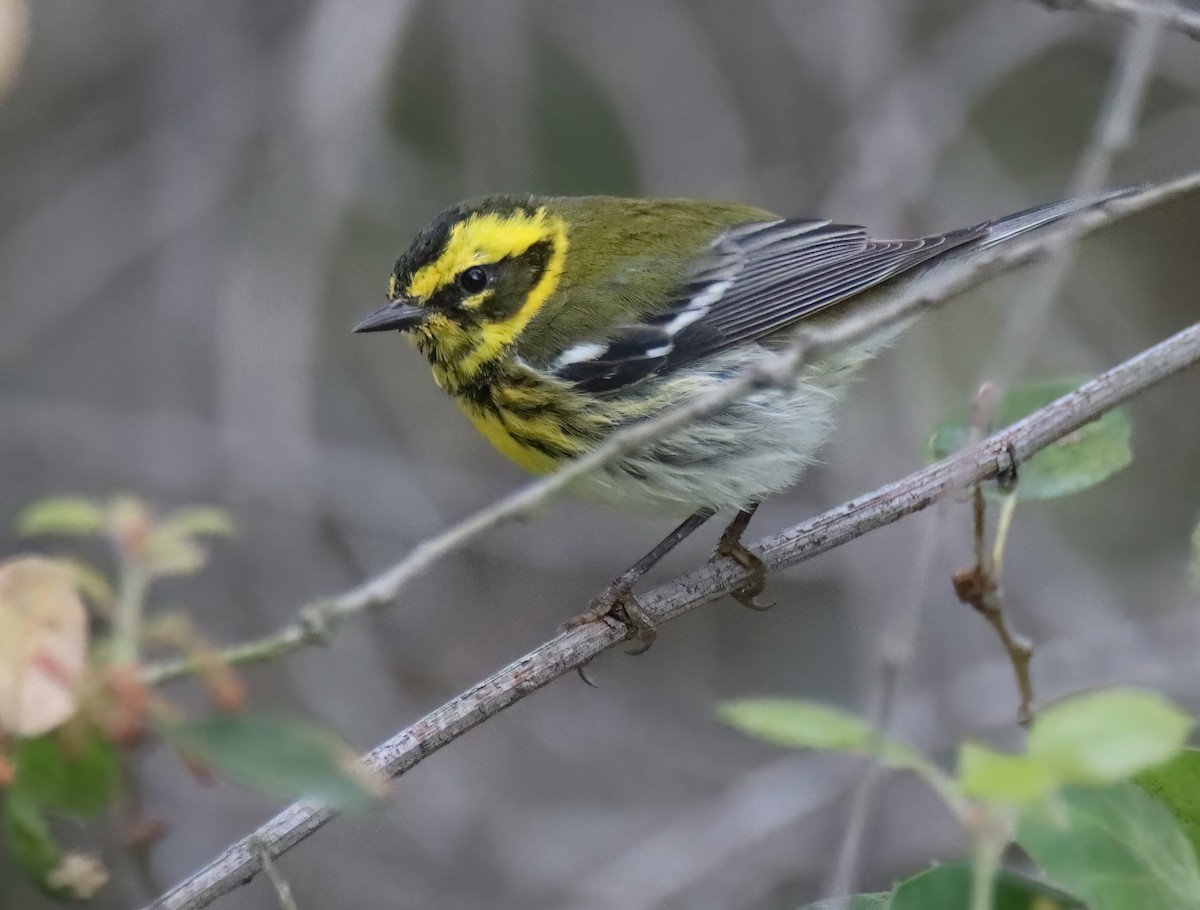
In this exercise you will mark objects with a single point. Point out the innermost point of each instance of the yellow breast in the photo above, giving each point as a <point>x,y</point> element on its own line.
<point>493,426</point>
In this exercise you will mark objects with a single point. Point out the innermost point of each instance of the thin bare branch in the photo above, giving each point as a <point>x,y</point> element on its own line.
<point>981,586</point>
<point>1171,15</point>
<point>1114,129</point>
<point>283,891</point>
<point>896,650</point>
<point>1116,122</point>
<point>1115,126</point>
<point>576,646</point>
<point>317,622</point>
<point>898,644</point>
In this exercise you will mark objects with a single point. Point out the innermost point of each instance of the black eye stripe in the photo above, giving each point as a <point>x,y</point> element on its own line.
<point>510,280</point>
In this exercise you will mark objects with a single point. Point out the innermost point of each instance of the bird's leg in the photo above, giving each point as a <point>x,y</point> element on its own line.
<point>617,599</point>
<point>731,545</point>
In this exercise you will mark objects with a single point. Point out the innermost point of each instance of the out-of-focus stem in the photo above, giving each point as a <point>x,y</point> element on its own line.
<point>127,612</point>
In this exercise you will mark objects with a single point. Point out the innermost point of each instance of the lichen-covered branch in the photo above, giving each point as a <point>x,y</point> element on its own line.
<point>317,622</point>
<point>1170,14</point>
<point>573,648</point>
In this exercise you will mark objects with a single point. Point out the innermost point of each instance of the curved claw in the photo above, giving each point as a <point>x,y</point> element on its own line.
<point>641,630</point>
<point>582,673</point>
<point>751,601</point>
<point>642,638</point>
<point>747,594</point>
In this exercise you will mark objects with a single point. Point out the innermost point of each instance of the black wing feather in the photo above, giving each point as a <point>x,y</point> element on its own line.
<point>762,277</point>
<point>633,353</point>
<point>757,279</point>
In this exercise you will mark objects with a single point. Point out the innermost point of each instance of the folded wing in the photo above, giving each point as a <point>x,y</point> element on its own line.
<point>756,279</point>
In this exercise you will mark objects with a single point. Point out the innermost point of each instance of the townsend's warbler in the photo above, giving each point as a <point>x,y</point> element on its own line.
<point>554,321</point>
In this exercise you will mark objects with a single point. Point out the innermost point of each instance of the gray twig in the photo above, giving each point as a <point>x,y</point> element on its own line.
<point>895,652</point>
<point>980,586</point>
<point>576,646</point>
<point>1114,128</point>
<point>1171,15</point>
<point>317,622</point>
<point>283,890</point>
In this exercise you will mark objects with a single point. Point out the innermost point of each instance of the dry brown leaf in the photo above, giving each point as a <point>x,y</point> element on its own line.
<point>43,645</point>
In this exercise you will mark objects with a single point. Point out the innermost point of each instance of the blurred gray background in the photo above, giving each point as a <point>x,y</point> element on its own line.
<point>198,201</point>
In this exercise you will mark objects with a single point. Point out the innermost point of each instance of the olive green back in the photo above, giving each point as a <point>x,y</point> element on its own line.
<point>624,260</point>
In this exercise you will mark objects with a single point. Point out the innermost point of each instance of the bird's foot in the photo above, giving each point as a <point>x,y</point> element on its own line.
<point>731,545</point>
<point>619,602</point>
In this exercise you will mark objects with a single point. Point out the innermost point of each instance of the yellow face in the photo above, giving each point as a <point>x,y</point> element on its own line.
<point>478,277</point>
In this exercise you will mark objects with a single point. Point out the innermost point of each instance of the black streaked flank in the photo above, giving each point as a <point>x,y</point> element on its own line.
<point>540,444</point>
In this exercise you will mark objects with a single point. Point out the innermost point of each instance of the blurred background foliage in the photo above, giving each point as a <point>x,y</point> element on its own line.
<point>200,199</point>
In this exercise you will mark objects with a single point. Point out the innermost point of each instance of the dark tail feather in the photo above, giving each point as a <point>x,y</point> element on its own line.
<point>1010,226</point>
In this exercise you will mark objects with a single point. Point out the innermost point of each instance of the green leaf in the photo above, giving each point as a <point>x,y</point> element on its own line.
<point>1075,463</point>
<point>877,901</point>
<point>53,772</point>
<point>168,552</point>
<point>279,756</point>
<point>65,515</point>
<point>807,725</point>
<point>29,836</point>
<point>56,772</point>
<point>1103,737</point>
<point>199,521</point>
<point>997,777</point>
<point>67,876</point>
<point>90,581</point>
<point>1115,847</point>
<point>1176,785</point>
<point>949,888</point>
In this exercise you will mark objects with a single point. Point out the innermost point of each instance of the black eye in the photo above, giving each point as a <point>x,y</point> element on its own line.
<point>473,280</point>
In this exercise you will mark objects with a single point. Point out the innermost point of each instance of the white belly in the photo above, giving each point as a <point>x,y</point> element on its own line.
<point>756,447</point>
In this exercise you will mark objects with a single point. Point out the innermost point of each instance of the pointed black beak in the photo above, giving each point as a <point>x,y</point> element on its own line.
<point>400,315</point>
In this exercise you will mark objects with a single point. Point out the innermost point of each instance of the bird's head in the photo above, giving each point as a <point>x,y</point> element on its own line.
<point>471,281</point>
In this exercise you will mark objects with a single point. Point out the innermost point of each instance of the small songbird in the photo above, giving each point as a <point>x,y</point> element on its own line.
<point>553,322</point>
